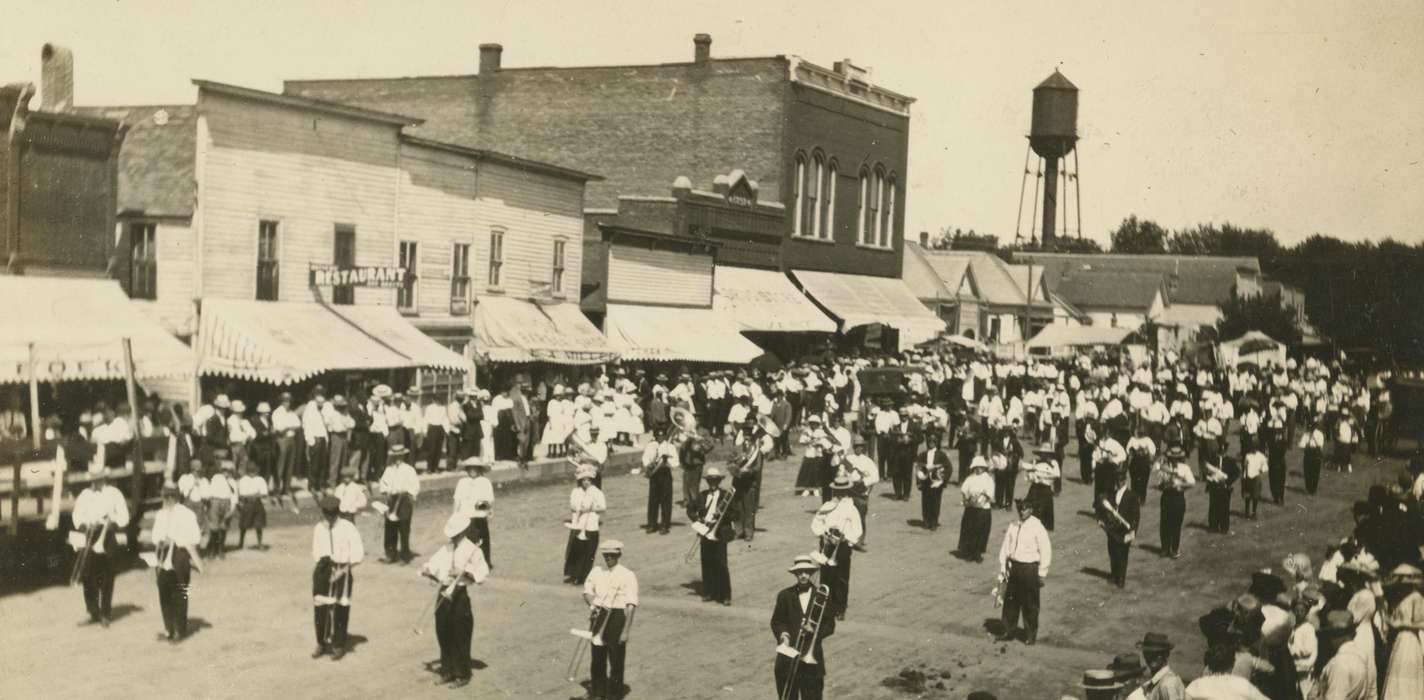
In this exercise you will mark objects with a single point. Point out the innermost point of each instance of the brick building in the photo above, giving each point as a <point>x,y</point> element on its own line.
<point>824,148</point>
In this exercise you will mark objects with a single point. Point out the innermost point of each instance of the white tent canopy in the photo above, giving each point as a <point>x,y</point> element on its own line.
<point>1253,346</point>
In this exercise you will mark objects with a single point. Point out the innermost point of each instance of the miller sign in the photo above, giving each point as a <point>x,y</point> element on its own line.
<point>365,276</point>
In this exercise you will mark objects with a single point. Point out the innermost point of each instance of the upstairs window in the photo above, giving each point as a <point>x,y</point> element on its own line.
<point>496,259</point>
<point>460,279</point>
<point>863,230</point>
<point>143,261</point>
<point>811,217</point>
<point>267,274</point>
<point>887,213</point>
<point>557,283</point>
<point>828,203</point>
<point>872,214</point>
<point>798,198</point>
<point>406,293</point>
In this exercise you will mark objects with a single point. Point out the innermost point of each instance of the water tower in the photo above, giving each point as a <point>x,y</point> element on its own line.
<point>1052,135</point>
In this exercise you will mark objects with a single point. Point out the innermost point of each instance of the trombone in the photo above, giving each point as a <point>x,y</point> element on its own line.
<point>81,561</point>
<point>597,621</point>
<point>709,529</point>
<point>803,650</point>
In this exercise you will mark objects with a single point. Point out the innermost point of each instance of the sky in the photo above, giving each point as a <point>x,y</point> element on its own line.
<point>1303,117</point>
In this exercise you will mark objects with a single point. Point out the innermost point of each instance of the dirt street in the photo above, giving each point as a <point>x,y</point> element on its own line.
<point>915,626</point>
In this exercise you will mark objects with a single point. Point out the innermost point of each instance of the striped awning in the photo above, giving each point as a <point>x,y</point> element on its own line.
<point>862,300</point>
<point>765,300</point>
<point>76,328</point>
<point>517,330</point>
<point>287,342</point>
<point>673,333</point>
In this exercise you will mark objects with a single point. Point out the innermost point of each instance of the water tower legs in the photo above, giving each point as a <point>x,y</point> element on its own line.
<point>1050,200</point>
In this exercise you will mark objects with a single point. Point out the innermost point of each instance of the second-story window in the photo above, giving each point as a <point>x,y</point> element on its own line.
<point>798,198</point>
<point>406,293</point>
<point>872,215</point>
<point>887,213</point>
<point>812,216</point>
<point>496,259</point>
<point>460,279</point>
<point>828,203</point>
<point>343,254</point>
<point>143,261</point>
<point>862,231</point>
<point>557,284</point>
<point>267,275</point>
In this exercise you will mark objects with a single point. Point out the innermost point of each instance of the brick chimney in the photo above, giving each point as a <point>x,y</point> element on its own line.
<point>56,78</point>
<point>701,48</point>
<point>489,58</point>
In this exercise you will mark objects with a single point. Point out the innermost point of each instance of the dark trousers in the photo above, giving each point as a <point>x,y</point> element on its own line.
<point>434,447</point>
<point>376,451</point>
<point>1276,475</point>
<point>330,622</point>
<point>930,501</point>
<point>1117,560</point>
<point>1311,466</point>
<point>1004,484</point>
<point>1174,511</point>
<point>606,660</point>
<point>691,486</point>
<point>578,555</point>
<point>316,465</point>
<point>286,461</point>
<point>974,526</point>
<point>1218,509</point>
<point>173,597</point>
<point>1021,595</point>
<point>397,539</point>
<point>1139,471</point>
<point>1085,463</point>
<point>660,499</point>
<point>1104,479</point>
<point>966,457</point>
<point>901,467</point>
<point>338,449</point>
<point>885,452</point>
<point>716,579</point>
<point>99,582</point>
<point>748,493</point>
<point>810,679</point>
<point>838,579</point>
<point>454,630</point>
<point>479,531</point>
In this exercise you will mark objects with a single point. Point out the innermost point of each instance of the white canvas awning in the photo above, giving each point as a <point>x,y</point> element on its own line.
<point>862,300</point>
<point>676,334</point>
<point>765,300</point>
<point>77,327</point>
<point>516,330</point>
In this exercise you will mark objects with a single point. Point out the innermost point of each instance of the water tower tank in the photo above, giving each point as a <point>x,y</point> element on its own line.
<point>1055,117</point>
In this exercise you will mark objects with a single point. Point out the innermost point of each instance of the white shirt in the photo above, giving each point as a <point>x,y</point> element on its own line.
<point>399,478</point>
<point>313,426</point>
<point>978,490</point>
<point>336,421</point>
<point>249,486</point>
<point>285,420</point>
<point>352,497</point>
<point>239,431</point>
<point>585,508</point>
<point>95,505</point>
<point>222,488</point>
<point>656,450</point>
<point>341,542</point>
<point>615,588</point>
<point>436,415</point>
<point>1026,541</point>
<point>863,469</point>
<point>471,491</point>
<point>452,566</point>
<point>839,514</point>
<point>176,526</point>
<point>1256,464</point>
<point>738,414</point>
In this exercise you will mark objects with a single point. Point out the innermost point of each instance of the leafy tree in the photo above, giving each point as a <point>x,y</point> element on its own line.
<point>1257,313</point>
<point>1226,239</point>
<point>1139,236</point>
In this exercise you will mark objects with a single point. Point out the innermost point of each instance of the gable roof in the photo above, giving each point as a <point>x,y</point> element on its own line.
<point>156,162</point>
<point>995,279</point>
<point>1098,289</point>
<point>1189,279</point>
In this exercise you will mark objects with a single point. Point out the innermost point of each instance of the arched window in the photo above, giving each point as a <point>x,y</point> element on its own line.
<point>874,224</point>
<point>799,195</point>
<point>828,198</point>
<point>887,213</point>
<point>812,217</point>
<point>862,211</point>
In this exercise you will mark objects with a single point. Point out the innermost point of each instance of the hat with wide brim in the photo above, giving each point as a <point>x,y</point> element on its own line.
<point>841,484</point>
<point>610,547</point>
<point>1337,623</point>
<point>397,450</point>
<point>381,391</point>
<point>1100,679</point>
<point>585,472</point>
<point>1155,641</point>
<point>1127,666</point>
<point>221,401</point>
<point>714,472</point>
<point>456,525</point>
<point>804,563</point>
<point>264,407</point>
<point>475,463</point>
<point>1176,452</point>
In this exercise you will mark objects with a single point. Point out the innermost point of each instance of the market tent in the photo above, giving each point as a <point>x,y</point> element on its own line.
<point>1064,336</point>
<point>287,342</point>
<point>516,330</point>
<point>77,327</point>
<point>765,300</point>
<point>675,333</point>
<point>862,300</point>
<point>1253,346</point>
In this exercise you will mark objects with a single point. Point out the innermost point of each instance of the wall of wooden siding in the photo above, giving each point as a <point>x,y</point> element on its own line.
<point>305,170</point>
<point>437,209</point>
<point>534,210</point>
<point>177,261</point>
<point>659,276</point>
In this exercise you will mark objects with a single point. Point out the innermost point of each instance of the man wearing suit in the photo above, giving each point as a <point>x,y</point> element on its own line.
<point>789,620</point>
<point>716,578</point>
<point>931,469</point>
<point>1121,531</point>
<point>523,413</point>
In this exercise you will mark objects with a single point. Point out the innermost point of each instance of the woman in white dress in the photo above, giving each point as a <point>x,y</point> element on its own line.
<point>559,411</point>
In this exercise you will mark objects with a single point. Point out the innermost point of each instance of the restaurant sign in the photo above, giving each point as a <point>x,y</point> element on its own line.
<point>364,276</point>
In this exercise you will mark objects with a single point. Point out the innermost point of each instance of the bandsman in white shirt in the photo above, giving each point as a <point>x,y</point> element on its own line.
<point>1175,478</point>
<point>401,486</point>
<point>1312,445</point>
<point>251,513</point>
<point>474,499</point>
<point>222,504</point>
<point>978,494</point>
<point>176,537</point>
<point>99,514</point>
<point>1024,560</point>
<point>1255,465</point>
<point>838,525</point>
<point>351,493</point>
<point>586,507</point>
<point>611,593</point>
<point>336,549</point>
<point>457,564</point>
<point>660,461</point>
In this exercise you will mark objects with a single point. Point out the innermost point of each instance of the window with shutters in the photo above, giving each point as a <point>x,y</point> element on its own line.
<point>406,293</point>
<point>267,258</point>
<point>344,255</point>
<point>460,279</point>
<point>496,257</point>
<point>143,261</point>
<point>557,284</point>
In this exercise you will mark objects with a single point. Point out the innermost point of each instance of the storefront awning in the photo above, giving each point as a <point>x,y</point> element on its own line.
<point>677,334</point>
<point>1061,336</point>
<point>516,330</point>
<point>286,342</point>
<point>764,300</point>
<point>77,327</point>
<point>861,300</point>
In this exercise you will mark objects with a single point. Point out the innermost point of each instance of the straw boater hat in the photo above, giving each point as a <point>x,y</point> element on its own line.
<point>221,401</point>
<point>714,472</point>
<point>611,547</point>
<point>978,463</point>
<point>1176,452</point>
<point>398,450</point>
<point>381,391</point>
<point>239,407</point>
<point>264,407</point>
<point>1100,679</point>
<point>804,563</point>
<point>841,484</point>
<point>456,525</point>
<point>585,472</point>
<point>475,463</point>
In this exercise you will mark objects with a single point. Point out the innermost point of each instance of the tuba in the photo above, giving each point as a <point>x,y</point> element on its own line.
<point>803,649</point>
<point>684,422</point>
